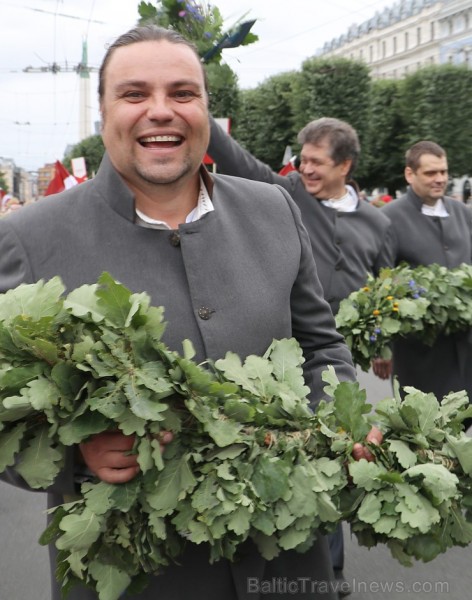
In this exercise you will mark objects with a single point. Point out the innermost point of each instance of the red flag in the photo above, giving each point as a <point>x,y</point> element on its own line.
<point>61,181</point>
<point>289,167</point>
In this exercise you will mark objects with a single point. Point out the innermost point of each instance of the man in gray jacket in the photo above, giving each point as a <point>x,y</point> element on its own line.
<point>431,228</point>
<point>350,238</point>
<point>229,260</point>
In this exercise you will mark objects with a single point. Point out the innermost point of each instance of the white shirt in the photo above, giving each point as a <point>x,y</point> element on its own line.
<point>438,210</point>
<point>347,203</point>
<point>204,205</point>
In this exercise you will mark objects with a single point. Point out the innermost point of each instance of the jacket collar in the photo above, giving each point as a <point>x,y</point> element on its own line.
<point>114,191</point>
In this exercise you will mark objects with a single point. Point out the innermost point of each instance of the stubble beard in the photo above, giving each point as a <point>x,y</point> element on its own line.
<point>156,174</point>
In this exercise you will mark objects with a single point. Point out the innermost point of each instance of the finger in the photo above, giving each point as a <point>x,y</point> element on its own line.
<point>109,475</point>
<point>375,436</point>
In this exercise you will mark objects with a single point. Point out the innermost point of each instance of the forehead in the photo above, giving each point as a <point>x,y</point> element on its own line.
<point>430,162</point>
<point>316,151</point>
<point>153,60</point>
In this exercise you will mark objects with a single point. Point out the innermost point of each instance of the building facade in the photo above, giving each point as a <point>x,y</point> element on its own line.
<point>409,35</point>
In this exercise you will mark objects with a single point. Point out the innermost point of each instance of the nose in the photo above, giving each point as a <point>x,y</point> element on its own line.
<point>160,108</point>
<point>307,169</point>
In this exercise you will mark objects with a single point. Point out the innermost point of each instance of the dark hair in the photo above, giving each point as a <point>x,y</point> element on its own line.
<point>343,139</point>
<point>144,33</point>
<point>413,155</point>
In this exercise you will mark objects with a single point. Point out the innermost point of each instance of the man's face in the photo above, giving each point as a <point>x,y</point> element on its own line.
<point>155,113</point>
<point>429,181</point>
<point>321,177</point>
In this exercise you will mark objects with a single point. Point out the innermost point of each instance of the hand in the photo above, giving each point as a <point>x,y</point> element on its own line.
<point>359,451</point>
<point>108,455</point>
<point>382,367</point>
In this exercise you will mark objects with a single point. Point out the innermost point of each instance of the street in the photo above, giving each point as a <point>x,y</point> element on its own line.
<point>373,574</point>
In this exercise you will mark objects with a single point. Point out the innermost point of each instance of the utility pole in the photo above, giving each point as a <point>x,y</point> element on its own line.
<point>83,70</point>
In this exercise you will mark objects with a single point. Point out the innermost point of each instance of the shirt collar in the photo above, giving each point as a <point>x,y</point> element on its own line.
<point>436,210</point>
<point>348,203</point>
<point>204,206</point>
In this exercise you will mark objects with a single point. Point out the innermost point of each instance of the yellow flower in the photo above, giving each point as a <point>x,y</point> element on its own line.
<point>389,297</point>
<point>366,289</point>
<point>376,313</point>
<point>395,309</point>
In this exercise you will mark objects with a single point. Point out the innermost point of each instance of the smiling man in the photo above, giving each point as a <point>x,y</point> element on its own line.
<point>350,238</point>
<point>431,228</point>
<point>229,259</point>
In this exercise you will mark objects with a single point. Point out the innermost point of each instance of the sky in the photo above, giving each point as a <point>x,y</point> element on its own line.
<point>40,112</point>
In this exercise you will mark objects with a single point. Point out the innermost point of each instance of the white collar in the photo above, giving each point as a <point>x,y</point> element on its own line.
<point>348,202</point>
<point>204,205</point>
<point>437,210</point>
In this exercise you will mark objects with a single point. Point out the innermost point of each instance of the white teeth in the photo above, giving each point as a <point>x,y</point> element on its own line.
<point>161,138</point>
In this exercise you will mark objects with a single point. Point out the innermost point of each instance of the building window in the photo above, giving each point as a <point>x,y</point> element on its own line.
<point>394,44</point>
<point>432,31</point>
<point>406,40</point>
<point>418,36</point>
<point>384,49</point>
<point>371,54</point>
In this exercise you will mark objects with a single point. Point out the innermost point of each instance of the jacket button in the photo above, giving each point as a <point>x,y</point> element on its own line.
<point>174,238</point>
<point>205,313</point>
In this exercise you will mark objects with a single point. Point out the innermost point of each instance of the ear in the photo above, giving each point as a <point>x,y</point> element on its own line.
<point>346,167</point>
<point>409,174</point>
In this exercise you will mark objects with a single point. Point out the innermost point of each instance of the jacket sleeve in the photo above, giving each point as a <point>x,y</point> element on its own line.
<point>15,269</point>
<point>233,159</point>
<point>386,256</point>
<point>313,323</point>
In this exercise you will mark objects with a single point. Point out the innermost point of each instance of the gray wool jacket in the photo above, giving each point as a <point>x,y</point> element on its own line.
<point>234,280</point>
<point>423,240</point>
<point>347,246</point>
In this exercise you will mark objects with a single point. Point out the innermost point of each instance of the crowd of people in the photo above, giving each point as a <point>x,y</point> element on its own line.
<point>237,258</point>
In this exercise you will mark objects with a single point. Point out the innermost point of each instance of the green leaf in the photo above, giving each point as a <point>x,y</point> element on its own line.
<point>286,357</point>
<point>111,582</point>
<point>80,530</point>
<point>370,509</point>
<point>37,300</point>
<point>366,474</point>
<point>270,478</point>
<point>173,482</point>
<point>441,483</point>
<point>351,406</point>
<point>142,402</point>
<point>40,463</point>
<point>462,448</point>
<point>10,444</point>
<point>83,302</point>
<point>114,299</point>
<point>404,455</point>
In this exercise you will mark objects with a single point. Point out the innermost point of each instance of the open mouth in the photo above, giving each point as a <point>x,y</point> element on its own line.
<point>161,141</point>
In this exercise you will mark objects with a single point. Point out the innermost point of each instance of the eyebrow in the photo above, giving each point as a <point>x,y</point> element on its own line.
<point>142,84</point>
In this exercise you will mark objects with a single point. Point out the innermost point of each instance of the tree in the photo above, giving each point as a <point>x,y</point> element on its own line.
<point>3,183</point>
<point>334,87</point>
<point>384,146</point>
<point>92,149</point>
<point>265,122</point>
<point>224,91</point>
<point>436,105</point>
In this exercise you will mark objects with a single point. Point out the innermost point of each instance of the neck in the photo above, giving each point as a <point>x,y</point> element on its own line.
<point>168,203</point>
<point>340,194</point>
